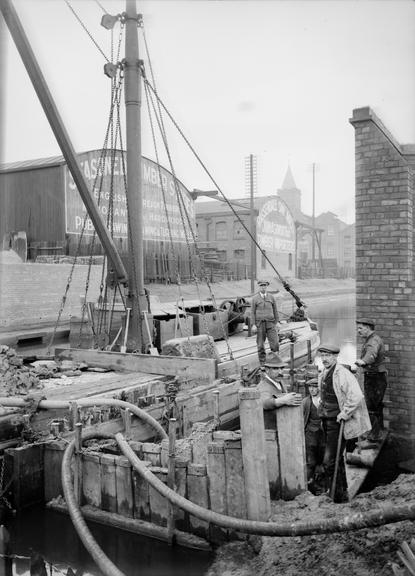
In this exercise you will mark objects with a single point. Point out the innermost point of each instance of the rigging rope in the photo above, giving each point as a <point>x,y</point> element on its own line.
<point>86,29</point>
<point>285,284</point>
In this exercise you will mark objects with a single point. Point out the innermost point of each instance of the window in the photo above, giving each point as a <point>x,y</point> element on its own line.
<point>238,230</point>
<point>290,261</point>
<point>220,232</point>
<point>330,231</point>
<point>221,255</point>
<point>239,254</point>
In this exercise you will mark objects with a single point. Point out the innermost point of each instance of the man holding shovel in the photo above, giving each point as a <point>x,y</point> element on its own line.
<point>343,414</point>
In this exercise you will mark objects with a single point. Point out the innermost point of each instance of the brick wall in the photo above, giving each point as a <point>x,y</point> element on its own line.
<point>385,257</point>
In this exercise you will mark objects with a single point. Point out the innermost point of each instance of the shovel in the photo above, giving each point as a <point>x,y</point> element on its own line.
<point>123,348</point>
<point>336,465</point>
<point>152,349</point>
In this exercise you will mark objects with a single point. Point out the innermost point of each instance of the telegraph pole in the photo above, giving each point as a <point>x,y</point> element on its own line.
<point>313,252</point>
<point>250,166</point>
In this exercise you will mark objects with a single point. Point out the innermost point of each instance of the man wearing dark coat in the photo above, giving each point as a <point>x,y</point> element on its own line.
<point>264,318</point>
<point>372,361</point>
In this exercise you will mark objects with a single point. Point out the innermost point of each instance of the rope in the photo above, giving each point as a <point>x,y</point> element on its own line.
<point>86,29</point>
<point>282,280</point>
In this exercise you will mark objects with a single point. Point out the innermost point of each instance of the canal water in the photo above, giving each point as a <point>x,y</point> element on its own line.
<point>52,535</point>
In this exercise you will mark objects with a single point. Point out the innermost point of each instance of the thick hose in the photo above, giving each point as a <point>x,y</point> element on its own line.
<point>19,402</point>
<point>102,561</point>
<point>386,515</point>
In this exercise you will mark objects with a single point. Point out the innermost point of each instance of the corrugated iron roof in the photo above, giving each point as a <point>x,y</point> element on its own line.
<point>32,164</point>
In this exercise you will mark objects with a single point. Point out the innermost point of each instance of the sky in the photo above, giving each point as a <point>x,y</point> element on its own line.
<point>278,79</point>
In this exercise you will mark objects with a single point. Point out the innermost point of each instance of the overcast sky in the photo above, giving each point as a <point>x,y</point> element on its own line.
<point>277,79</point>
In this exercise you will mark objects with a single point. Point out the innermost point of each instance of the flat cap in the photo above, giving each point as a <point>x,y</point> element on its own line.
<point>366,321</point>
<point>274,361</point>
<point>263,282</point>
<point>330,348</point>
<point>312,382</point>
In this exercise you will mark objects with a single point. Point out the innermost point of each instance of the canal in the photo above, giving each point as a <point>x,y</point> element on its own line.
<point>51,534</point>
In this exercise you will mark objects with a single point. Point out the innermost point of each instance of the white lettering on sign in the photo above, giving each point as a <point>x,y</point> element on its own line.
<point>167,205</point>
<point>276,227</point>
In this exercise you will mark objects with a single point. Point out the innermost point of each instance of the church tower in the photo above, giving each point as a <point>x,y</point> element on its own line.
<point>290,193</point>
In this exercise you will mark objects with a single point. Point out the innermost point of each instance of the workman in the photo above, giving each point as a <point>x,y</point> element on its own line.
<point>272,390</point>
<point>313,433</point>
<point>264,318</point>
<point>372,361</point>
<point>341,400</point>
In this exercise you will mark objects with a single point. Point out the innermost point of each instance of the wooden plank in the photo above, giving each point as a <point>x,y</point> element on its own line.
<point>173,365</point>
<point>141,495</point>
<point>197,492</point>
<point>180,480</point>
<point>273,464</point>
<point>258,503</point>
<point>28,472</point>
<point>158,503</point>
<point>291,446</point>
<point>217,486</point>
<point>152,453</point>
<point>359,464</point>
<point>108,483</point>
<point>91,485</point>
<point>136,526</point>
<point>53,456</point>
<point>123,474</point>
<point>235,483</point>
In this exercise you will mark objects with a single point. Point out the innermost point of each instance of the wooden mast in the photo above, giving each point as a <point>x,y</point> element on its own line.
<point>132,78</point>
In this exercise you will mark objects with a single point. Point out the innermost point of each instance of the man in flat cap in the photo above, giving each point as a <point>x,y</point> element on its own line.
<point>372,361</point>
<point>272,390</point>
<point>341,399</point>
<point>264,317</point>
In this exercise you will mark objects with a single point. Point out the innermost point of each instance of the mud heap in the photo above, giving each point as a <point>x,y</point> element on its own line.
<point>366,552</point>
<point>15,377</point>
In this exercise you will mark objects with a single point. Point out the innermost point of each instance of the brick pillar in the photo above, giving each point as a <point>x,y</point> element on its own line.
<point>385,258</point>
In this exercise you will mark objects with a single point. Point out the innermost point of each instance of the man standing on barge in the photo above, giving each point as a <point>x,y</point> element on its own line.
<point>372,361</point>
<point>264,317</point>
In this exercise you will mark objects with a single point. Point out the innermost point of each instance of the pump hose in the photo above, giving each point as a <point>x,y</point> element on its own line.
<point>102,561</point>
<point>387,514</point>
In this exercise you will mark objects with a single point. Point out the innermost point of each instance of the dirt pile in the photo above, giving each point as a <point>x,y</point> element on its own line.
<point>15,377</point>
<point>366,552</point>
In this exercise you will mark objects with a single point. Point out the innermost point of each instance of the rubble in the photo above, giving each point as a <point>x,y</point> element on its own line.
<point>366,552</point>
<point>15,377</point>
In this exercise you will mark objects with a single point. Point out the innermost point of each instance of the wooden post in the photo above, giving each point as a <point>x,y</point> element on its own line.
<point>124,487</point>
<point>291,445</point>
<point>254,456</point>
<point>6,561</point>
<point>197,489</point>
<point>171,479</point>
<point>152,453</point>
<point>309,356</point>
<point>292,380</point>
<point>216,411</point>
<point>158,503</point>
<point>273,464</point>
<point>74,414</point>
<point>26,466</point>
<point>127,424</point>
<point>91,482</point>
<point>53,456</point>
<point>180,479</point>
<point>78,463</point>
<point>108,483</point>
<point>217,486</point>
<point>141,495</point>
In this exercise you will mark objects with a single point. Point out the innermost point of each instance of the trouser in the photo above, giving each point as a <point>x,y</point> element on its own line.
<point>331,429</point>
<point>374,388</point>
<point>314,450</point>
<point>266,329</point>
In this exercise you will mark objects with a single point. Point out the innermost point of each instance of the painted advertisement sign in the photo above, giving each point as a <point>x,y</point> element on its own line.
<point>276,227</point>
<point>159,208</point>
